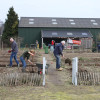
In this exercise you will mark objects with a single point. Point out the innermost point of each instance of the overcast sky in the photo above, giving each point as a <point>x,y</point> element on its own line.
<point>51,8</point>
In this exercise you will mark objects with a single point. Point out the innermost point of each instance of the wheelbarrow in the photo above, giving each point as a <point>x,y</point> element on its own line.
<point>40,68</point>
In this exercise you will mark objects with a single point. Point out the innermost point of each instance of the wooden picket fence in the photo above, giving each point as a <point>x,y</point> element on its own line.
<point>89,78</point>
<point>16,79</point>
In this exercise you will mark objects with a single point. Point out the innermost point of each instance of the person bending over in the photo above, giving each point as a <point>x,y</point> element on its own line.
<point>57,52</point>
<point>26,55</point>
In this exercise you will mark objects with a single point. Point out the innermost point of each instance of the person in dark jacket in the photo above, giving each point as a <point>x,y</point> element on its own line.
<point>57,52</point>
<point>14,52</point>
<point>25,55</point>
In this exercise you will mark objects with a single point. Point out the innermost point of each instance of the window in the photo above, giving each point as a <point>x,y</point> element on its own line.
<point>95,23</point>
<point>71,20</point>
<point>53,19</point>
<point>69,33</point>
<point>31,19</point>
<point>54,23</point>
<point>84,34</point>
<point>31,22</point>
<point>72,23</point>
<point>54,33</point>
<point>92,20</point>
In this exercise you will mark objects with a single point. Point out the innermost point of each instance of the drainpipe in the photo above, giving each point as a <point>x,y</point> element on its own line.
<point>42,42</point>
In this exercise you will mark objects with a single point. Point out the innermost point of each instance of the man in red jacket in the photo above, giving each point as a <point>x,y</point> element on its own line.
<point>52,45</point>
<point>52,42</point>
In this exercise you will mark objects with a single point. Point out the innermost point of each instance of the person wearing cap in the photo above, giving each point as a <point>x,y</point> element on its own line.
<point>57,52</point>
<point>14,51</point>
<point>25,55</point>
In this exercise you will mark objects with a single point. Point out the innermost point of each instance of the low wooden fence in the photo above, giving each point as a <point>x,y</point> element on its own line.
<point>89,78</point>
<point>15,79</point>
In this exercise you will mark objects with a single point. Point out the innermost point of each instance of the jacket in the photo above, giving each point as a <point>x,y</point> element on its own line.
<point>58,49</point>
<point>14,47</point>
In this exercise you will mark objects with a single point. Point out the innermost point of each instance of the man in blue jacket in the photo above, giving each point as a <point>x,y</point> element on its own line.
<point>57,52</point>
<point>14,52</point>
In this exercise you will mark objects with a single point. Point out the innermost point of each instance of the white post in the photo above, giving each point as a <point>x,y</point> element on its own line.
<point>44,65</point>
<point>74,70</point>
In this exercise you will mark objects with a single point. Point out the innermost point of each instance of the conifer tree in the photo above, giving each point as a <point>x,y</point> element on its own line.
<point>11,25</point>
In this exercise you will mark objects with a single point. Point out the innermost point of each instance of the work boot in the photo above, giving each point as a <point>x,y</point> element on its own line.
<point>59,69</point>
<point>18,65</point>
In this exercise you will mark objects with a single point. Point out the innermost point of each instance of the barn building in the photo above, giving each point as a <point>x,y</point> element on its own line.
<point>45,29</point>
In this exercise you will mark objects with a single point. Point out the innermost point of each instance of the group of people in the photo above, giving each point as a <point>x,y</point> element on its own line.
<point>14,51</point>
<point>58,49</point>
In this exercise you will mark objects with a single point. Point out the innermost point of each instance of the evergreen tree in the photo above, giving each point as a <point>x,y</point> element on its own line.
<point>11,25</point>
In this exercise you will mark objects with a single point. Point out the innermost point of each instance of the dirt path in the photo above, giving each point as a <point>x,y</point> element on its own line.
<point>54,77</point>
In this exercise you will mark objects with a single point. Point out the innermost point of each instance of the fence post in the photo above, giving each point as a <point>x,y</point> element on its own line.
<point>44,65</point>
<point>2,45</point>
<point>0,41</point>
<point>74,70</point>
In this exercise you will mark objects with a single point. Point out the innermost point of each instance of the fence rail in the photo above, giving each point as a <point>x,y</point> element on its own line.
<point>15,79</point>
<point>89,78</point>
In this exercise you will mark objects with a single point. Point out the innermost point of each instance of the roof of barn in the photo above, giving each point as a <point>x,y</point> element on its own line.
<point>59,22</point>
